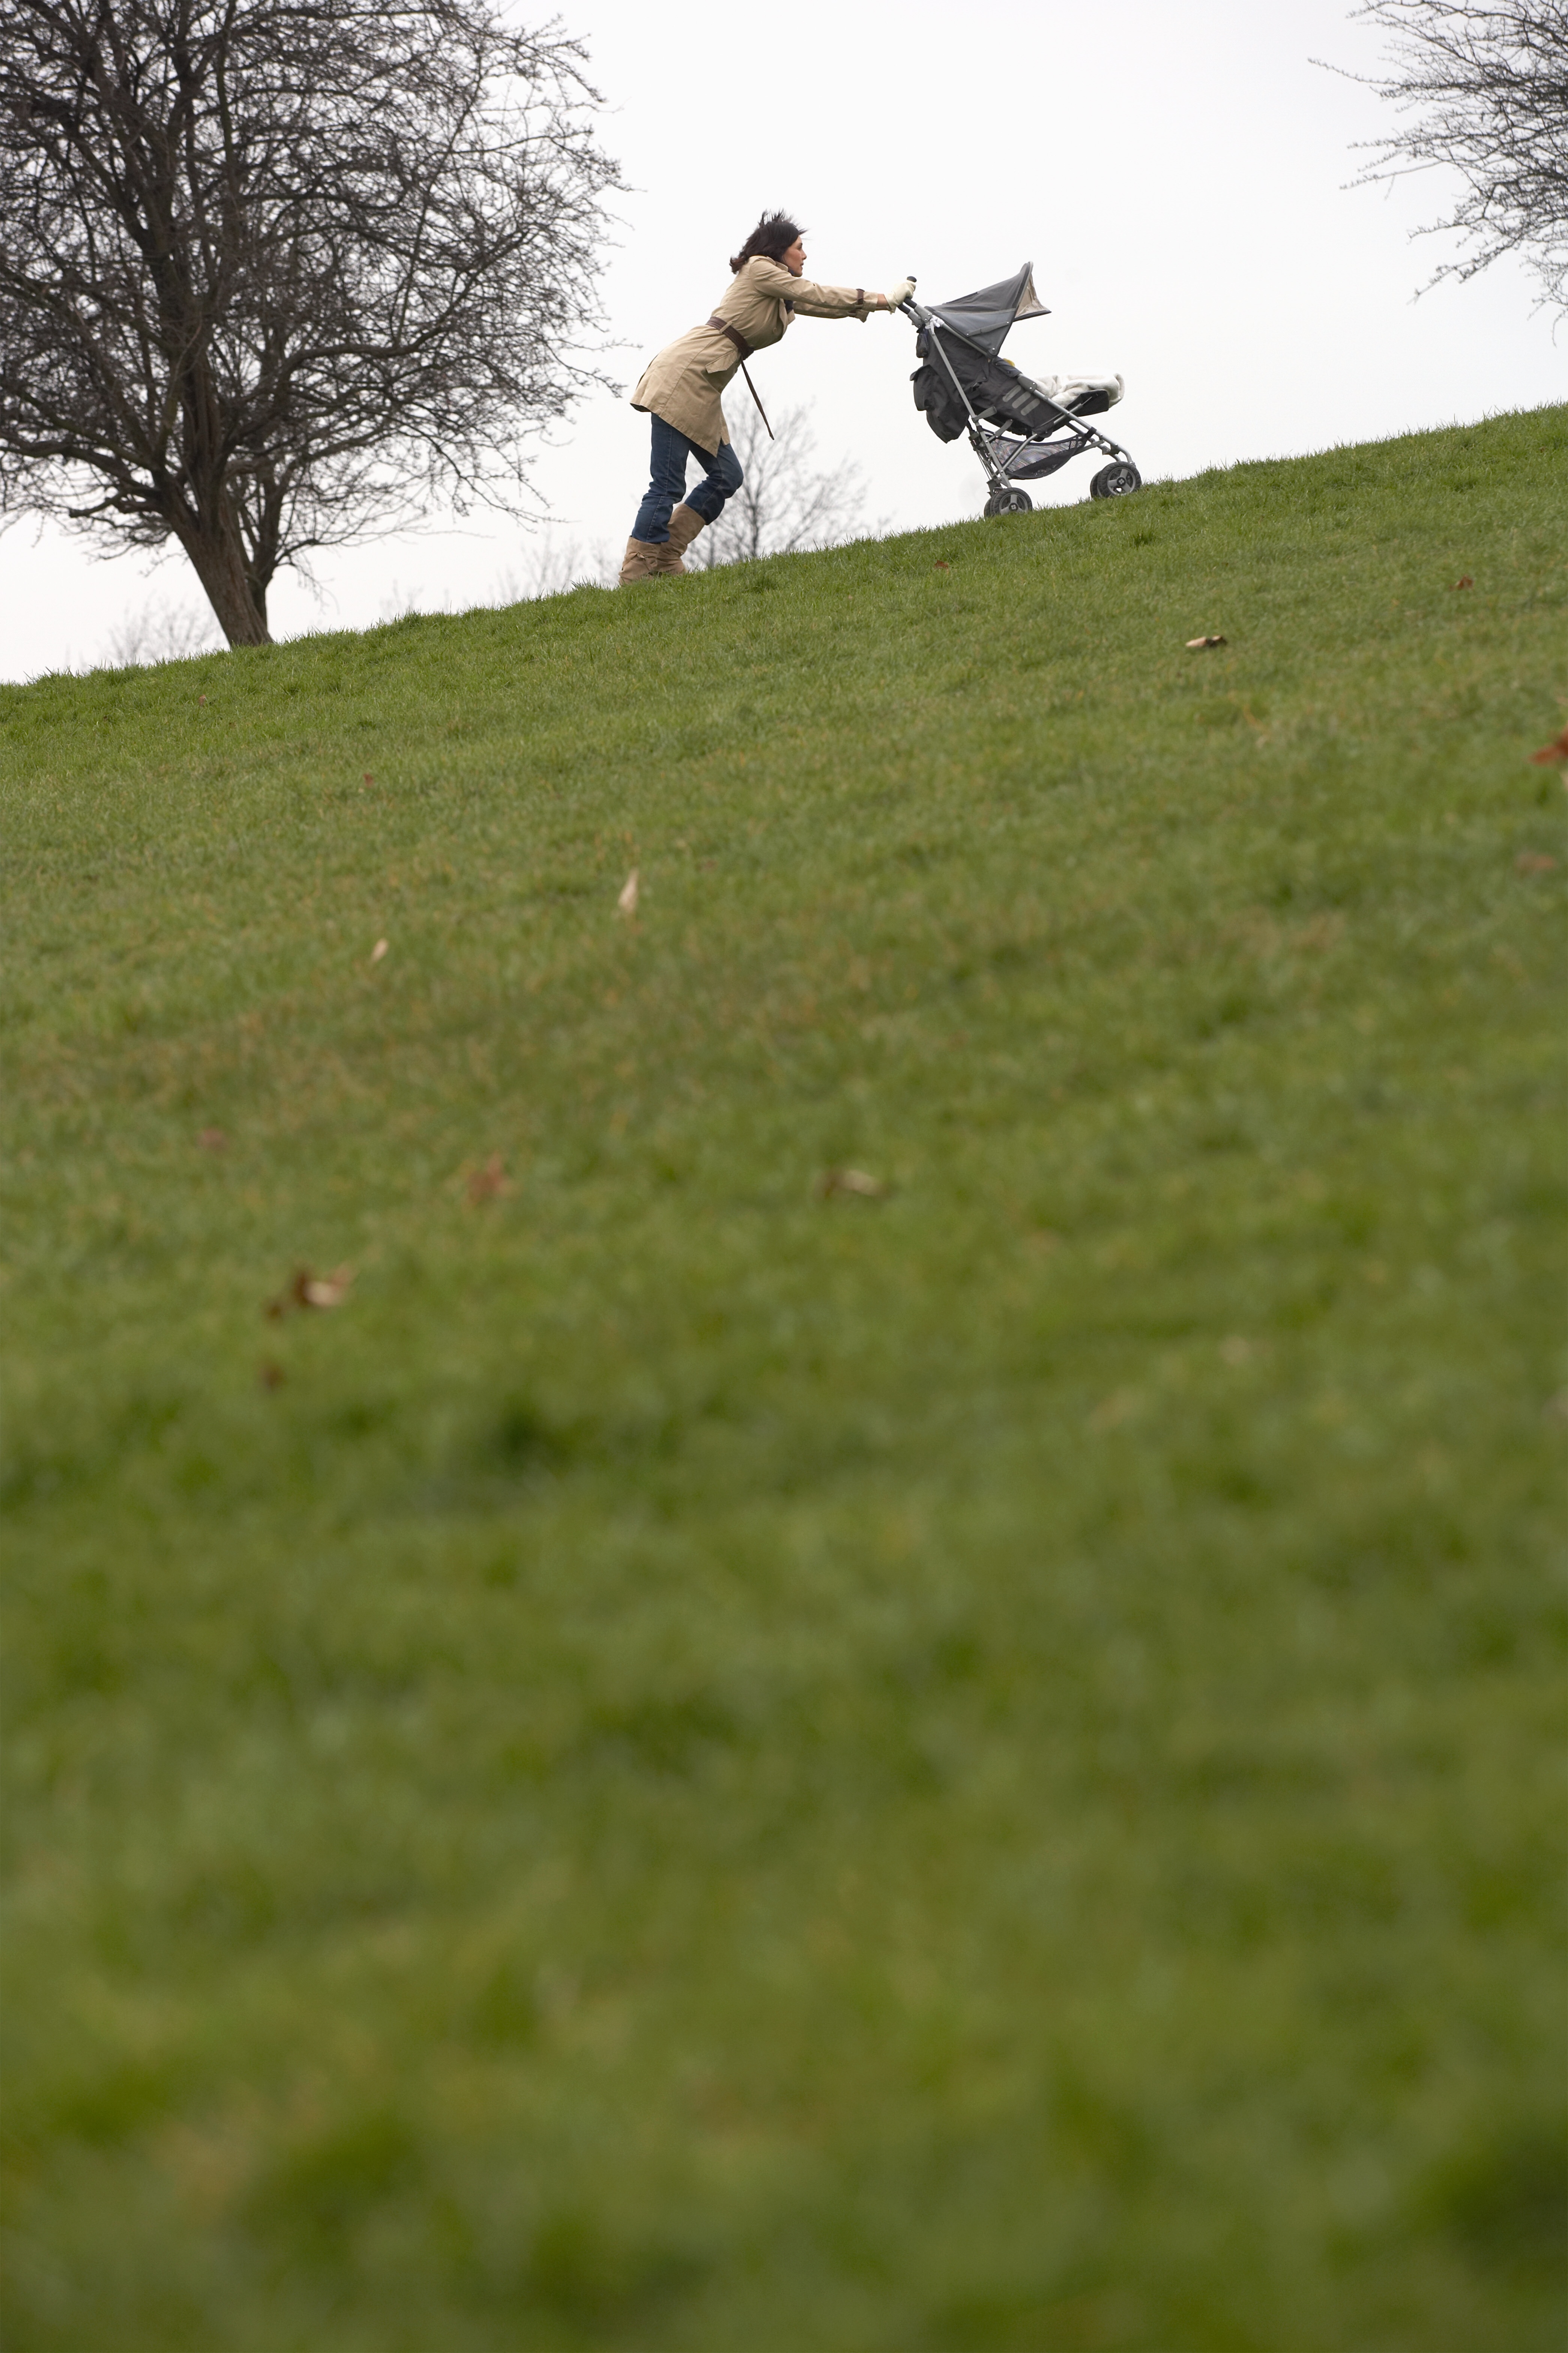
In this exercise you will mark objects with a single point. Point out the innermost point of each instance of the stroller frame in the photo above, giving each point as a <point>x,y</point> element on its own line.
<point>1006,496</point>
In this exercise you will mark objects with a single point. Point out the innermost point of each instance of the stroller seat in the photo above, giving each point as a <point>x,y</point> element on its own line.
<point>965,386</point>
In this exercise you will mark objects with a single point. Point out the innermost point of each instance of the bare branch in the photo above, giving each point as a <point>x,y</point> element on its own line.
<point>1486,89</point>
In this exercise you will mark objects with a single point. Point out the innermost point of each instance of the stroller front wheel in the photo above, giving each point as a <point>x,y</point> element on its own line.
<point>1115,482</point>
<point>1010,501</point>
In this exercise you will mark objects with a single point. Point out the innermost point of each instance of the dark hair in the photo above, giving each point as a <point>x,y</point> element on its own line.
<point>772,237</point>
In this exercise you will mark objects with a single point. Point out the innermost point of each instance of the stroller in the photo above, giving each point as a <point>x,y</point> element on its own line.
<point>1018,429</point>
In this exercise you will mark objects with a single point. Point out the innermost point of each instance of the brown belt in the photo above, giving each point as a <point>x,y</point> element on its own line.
<point>745,350</point>
<point>736,337</point>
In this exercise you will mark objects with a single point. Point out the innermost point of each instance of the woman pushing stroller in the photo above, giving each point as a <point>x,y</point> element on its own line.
<point>680,388</point>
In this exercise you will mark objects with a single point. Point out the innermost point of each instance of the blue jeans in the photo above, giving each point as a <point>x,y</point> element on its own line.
<point>666,482</point>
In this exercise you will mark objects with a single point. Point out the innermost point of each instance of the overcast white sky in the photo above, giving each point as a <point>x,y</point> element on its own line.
<point>1175,169</point>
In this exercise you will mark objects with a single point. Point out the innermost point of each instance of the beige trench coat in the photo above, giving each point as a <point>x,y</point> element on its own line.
<point>683,382</point>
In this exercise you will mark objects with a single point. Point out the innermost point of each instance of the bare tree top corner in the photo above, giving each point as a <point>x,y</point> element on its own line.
<point>1481,91</point>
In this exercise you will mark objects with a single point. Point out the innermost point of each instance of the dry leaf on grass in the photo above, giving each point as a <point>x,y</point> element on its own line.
<point>367,778</point>
<point>487,1183</point>
<point>308,1290</point>
<point>1549,753</point>
<point>213,1139</point>
<point>1198,645</point>
<point>849,1180</point>
<point>1464,581</point>
<point>1535,861</point>
<point>326,1290</point>
<point>941,565</point>
<point>378,952</point>
<point>626,905</point>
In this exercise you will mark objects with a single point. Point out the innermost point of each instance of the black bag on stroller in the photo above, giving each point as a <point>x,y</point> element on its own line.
<point>1020,429</point>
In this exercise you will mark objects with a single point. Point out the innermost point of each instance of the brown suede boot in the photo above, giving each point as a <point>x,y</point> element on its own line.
<point>640,562</point>
<point>684,525</point>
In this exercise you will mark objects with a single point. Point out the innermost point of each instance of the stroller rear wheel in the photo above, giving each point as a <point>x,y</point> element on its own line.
<point>1009,500</point>
<point>1115,482</point>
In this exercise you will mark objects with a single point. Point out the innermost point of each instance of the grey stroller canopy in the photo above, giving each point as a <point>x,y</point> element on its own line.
<point>1019,426</point>
<point>985,318</point>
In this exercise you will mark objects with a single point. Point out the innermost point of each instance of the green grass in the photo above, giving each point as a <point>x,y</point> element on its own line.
<point>702,1770</point>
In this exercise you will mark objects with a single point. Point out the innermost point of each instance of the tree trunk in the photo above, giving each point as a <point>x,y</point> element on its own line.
<point>236,595</point>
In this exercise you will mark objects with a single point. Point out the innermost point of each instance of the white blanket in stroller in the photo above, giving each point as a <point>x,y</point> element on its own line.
<point>1065,390</point>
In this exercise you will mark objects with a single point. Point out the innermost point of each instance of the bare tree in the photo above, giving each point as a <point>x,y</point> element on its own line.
<point>784,503</point>
<point>553,567</point>
<point>1486,89</point>
<point>155,631</point>
<point>275,274</point>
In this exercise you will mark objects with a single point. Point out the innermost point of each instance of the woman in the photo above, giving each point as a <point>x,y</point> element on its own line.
<point>682,386</point>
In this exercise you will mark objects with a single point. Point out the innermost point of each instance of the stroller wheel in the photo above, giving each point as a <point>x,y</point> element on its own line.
<point>1115,482</point>
<point>1010,501</point>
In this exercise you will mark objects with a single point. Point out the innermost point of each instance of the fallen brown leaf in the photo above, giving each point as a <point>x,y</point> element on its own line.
<point>849,1180</point>
<point>485,1184</point>
<point>308,1290</point>
<point>213,1139</point>
<point>941,565</point>
<point>626,905</point>
<point>1464,581</point>
<point>1534,861</point>
<point>378,952</point>
<point>1556,750</point>
<point>367,778</point>
<point>1198,645</point>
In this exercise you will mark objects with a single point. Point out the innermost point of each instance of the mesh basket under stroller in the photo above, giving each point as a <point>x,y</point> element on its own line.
<point>1020,429</point>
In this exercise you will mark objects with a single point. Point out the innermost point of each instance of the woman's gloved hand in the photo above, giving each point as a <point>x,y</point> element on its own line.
<point>898,293</point>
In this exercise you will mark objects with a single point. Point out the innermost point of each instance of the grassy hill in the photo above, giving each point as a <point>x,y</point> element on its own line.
<point>710,1760</point>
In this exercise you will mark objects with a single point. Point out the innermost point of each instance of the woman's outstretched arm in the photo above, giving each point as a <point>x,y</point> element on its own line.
<point>812,301</point>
